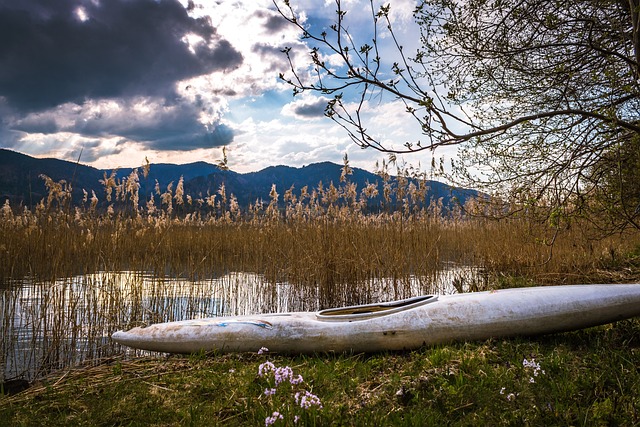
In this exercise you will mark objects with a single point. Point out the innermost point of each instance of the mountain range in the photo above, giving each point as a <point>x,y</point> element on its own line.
<point>20,180</point>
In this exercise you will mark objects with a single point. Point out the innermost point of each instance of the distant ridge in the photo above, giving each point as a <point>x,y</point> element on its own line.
<point>20,180</point>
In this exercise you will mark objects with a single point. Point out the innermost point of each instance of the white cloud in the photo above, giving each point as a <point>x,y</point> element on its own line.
<point>259,33</point>
<point>92,149</point>
<point>136,118</point>
<point>81,14</point>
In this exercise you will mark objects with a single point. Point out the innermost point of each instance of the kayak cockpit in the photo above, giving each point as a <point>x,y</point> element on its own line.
<point>368,311</point>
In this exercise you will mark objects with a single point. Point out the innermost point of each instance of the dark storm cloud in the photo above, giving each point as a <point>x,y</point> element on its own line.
<point>219,136</point>
<point>275,23</point>
<point>310,109</point>
<point>125,48</point>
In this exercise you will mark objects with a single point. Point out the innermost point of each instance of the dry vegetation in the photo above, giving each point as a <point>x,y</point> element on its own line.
<point>321,236</point>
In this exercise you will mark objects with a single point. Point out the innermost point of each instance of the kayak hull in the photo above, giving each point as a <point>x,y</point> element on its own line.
<point>398,325</point>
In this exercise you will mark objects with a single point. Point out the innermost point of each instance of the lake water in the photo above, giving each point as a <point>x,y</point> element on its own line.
<point>59,324</point>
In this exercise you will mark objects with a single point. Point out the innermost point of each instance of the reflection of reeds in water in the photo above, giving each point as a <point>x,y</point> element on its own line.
<point>308,249</point>
<point>49,325</point>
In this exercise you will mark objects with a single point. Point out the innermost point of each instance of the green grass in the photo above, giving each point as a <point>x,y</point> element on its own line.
<point>589,377</point>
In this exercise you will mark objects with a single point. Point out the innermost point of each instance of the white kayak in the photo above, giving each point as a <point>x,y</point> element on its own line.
<point>398,325</point>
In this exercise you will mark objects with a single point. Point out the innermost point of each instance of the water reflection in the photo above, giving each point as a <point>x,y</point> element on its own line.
<point>59,324</point>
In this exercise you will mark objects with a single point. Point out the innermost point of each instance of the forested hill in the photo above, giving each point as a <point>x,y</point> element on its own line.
<point>20,180</point>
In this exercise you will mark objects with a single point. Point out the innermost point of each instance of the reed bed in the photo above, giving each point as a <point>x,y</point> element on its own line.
<point>315,251</point>
<point>71,275</point>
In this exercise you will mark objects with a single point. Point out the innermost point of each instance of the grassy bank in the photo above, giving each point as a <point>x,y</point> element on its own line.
<point>586,378</point>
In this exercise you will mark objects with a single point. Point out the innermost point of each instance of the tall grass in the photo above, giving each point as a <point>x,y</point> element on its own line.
<point>323,246</point>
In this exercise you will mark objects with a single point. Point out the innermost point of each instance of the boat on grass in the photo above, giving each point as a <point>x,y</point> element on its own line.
<point>398,325</point>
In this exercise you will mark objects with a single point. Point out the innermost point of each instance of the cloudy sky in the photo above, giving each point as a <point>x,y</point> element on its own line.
<point>176,80</point>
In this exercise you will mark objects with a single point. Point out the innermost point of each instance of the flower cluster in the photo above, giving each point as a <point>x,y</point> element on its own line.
<point>278,376</point>
<point>273,418</point>
<point>265,368</point>
<point>535,366</point>
<point>535,369</point>
<point>306,400</point>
